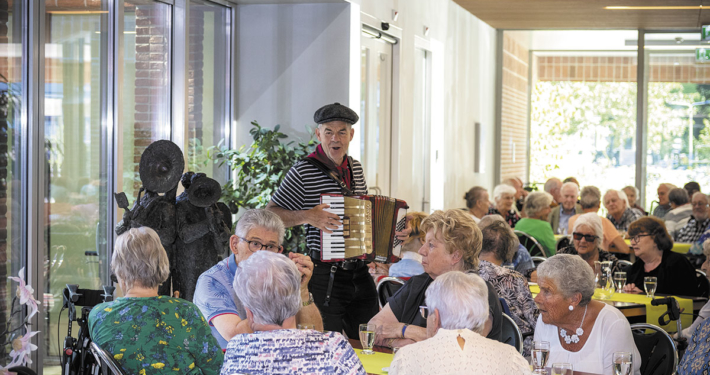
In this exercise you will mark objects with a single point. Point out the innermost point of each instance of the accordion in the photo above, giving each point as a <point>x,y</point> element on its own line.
<point>367,232</point>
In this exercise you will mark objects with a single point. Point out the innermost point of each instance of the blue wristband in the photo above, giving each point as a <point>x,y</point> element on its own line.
<point>404,328</point>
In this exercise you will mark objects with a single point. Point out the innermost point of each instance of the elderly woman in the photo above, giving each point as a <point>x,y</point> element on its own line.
<point>619,213</point>
<point>632,193</point>
<point>653,246</point>
<point>456,311</point>
<point>268,284</point>
<point>477,202</point>
<point>705,310</point>
<point>580,331</point>
<point>504,196</point>
<point>453,243</point>
<point>537,208</point>
<point>587,235</point>
<point>590,200</point>
<point>521,261</point>
<point>411,262</point>
<point>499,245</point>
<point>144,332</point>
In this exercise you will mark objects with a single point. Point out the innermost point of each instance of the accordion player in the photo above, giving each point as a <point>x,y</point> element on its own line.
<point>367,232</point>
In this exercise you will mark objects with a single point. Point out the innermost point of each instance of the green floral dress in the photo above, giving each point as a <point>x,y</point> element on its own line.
<point>156,335</point>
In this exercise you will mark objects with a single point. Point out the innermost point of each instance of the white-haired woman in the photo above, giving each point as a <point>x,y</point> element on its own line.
<point>619,213</point>
<point>587,235</point>
<point>632,194</point>
<point>268,284</point>
<point>145,332</point>
<point>537,208</point>
<point>705,311</point>
<point>504,196</point>
<point>581,331</point>
<point>456,311</point>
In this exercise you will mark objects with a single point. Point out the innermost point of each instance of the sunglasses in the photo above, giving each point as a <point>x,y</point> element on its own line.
<point>587,237</point>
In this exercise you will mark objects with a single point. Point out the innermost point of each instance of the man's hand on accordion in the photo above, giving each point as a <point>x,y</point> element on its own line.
<point>305,266</point>
<point>323,220</point>
<point>404,233</point>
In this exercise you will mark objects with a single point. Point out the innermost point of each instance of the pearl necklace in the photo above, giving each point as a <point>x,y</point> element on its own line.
<point>579,331</point>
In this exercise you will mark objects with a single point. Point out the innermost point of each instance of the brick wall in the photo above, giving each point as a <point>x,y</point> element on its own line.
<point>514,110</point>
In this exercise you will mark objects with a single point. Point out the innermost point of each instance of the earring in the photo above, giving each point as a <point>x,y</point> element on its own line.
<point>571,308</point>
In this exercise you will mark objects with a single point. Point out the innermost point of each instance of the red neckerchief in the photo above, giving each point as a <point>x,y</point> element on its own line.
<point>342,170</point>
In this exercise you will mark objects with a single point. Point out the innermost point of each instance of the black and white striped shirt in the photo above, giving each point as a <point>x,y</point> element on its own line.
<point>302,188</point>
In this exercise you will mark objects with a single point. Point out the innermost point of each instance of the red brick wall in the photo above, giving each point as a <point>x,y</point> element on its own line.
<point>514,110</point>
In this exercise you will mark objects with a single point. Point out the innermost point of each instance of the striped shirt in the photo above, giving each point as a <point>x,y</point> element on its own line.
<point>302,188</point>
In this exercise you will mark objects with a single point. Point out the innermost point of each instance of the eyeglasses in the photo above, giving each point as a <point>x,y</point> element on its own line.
<point>637,237</point>
<point>255,246</point>
<point>587,237</point>
<point>700,204</point>
<point>424,311</point>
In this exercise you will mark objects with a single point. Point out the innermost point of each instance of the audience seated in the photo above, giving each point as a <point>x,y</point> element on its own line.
<point>631,194</point>
<point>559,217</point>
<point>663,203</point>
<point>520,192</point>
<point>144,332</point>
<point>698,222</point>
<point>411,262</point>
<point>553,187</point>
<point>504,196</point>
<point>537,208</point>
<point>696,360</point>
<point>571,179</point>
<point>477,202</point>
<point>692,187</point>
<point>587,235</point>
<point>618,210</point>
<point>269,286</point>
<point>522,261</point>
<point>256,230</point>
<point>456,310</point>
<point>581,331</point>
<point>590,200</point>
<point>680,212</point>
<point>453,243</point>
<point>653,246</point>
<point>705,310</point>
<point>499,245</point>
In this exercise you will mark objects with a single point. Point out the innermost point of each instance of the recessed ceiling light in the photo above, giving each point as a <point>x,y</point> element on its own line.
<point>654,7</point>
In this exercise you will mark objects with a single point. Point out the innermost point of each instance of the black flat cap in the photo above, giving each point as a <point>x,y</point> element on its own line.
<point>335,112</point>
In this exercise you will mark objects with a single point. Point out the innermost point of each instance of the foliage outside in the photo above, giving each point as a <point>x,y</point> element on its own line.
<point>258,170</point>
<point>588,130</point>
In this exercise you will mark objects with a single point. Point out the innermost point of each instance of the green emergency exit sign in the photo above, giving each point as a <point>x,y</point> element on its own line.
<point>705,32</point>
<point>702,55</point>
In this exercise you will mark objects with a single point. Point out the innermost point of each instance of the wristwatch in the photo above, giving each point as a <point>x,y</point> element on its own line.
<point>310,300</point>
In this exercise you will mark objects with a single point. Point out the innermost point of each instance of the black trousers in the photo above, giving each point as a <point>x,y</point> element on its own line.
<point>353,298</point>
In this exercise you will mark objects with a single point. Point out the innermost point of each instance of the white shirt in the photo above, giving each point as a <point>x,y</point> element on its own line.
<point>475,219</point>
<point>676,218</point>
<point>442,354</point>
<point>611,333</point>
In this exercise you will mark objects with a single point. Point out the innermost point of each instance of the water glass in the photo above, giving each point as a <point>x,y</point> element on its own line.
<point>540,353</point>
<point>306,326</point>
<point>561,369</point>
<point>395,350</point>
<point>649,284</point>
<point>623,363</point>
<point>367,337</point>
<point>620,281</point>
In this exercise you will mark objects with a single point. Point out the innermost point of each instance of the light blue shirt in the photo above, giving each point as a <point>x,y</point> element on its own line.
<point>564,219</point>
<point>409,266</point>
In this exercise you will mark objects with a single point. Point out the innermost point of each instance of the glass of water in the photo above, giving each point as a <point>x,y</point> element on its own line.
<point>540,353</point>
<point>561,369</point>
<point>367,337</point>
<point>623,363</point>
<point>649,284</point>
<point>620,281</point>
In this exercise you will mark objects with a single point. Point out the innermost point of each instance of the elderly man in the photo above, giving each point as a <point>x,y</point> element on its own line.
<point>590,200</point>
<point>699,220</point>
<point>553,187</point>
<point>680,212</point>
<point>559,217</point>
<point>520,192</point>
<point>663,203</point>
<point>692,187</point>
<point>619,213</point>
<point>632,194</point>
<point>256,230</point>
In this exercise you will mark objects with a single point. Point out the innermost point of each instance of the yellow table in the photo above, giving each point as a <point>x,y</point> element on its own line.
<point>374,363</point>
<point>678,247</point>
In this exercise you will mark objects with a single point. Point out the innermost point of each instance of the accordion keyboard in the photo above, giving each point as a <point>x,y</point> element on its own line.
<point>333,244</point>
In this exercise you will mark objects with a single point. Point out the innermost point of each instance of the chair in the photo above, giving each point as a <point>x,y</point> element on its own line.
<point>657,350</point>
<point>107,365</point>
<point>703,283</point>
<point>562,243</point>
<point>387,287</point>
<point>537,260</point>
<point>511,333</point>
<point>531,244</point>
<point>623,265</point>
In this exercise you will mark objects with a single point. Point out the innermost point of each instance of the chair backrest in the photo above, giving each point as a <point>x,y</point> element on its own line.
<point>387,287</point>
<point>623,265</point>
<point>703,283</point>
<point>531,244</point>
<point>562,243</point>
<point>657,350</point>
<point>537,260</point>
<point>511,334</point>
<point>105,361</point>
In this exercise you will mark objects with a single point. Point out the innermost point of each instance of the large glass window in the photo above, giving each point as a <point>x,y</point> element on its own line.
<point>12,90</point>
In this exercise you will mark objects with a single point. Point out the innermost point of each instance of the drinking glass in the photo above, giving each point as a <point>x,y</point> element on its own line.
<point>540,353</point>
<point>395,350</point>
<point>561,369</point>
<point>649,284</point>
<point>623,363</point>
<point>620,281</point>
<point>367,337</point>
<point>306,326</point>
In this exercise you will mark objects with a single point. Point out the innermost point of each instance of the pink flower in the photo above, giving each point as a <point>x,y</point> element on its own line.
<point>22,349</point>
<point>26,294</point>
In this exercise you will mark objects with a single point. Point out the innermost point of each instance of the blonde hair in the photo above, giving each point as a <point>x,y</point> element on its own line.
<point>459,232</point>
<point>140,259</point>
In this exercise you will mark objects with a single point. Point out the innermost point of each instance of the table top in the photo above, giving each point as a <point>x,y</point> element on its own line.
<point>373,364</point>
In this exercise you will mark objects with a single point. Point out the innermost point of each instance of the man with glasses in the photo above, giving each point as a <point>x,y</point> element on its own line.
<point>699,220</point>
<point>256,230</point>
